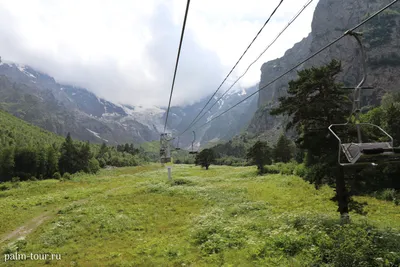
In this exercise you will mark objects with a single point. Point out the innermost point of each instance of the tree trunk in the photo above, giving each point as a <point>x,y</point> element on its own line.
<point>342,197</point>
<point>261,169</point>
<point>207,167</point>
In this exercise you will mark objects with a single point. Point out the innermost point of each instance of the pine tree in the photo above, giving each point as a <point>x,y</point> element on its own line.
<point>68,156</point>
<point>283,150</point>
<point>126,148</point>
<point>260,155</point>
<point>84,156</point>
<point>41,162</point>
<point>314,102</point>
<point>52,161</point>
<point>26,162</point>
<point>393,122</point>
<point>7,163</point>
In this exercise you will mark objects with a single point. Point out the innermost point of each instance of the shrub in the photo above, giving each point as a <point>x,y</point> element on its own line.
<point>388,195</point>
<point>102,162</point>
<point>4,186</point>
<point>300,170</point>
<point>359,245</point>
<point>271,169</point>
<point>67,176</point>
<point>57,175</point>
<point>287,168</point>
<point>94,166</point>
<point>15,179</point>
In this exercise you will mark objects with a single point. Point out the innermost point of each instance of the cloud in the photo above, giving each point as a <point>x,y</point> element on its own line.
<point>126,52</point>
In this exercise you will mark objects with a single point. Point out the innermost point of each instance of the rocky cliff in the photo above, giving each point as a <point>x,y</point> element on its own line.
<point>381,37</point>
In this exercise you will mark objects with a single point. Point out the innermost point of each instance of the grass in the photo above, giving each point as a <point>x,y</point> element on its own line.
<point>221,217</point>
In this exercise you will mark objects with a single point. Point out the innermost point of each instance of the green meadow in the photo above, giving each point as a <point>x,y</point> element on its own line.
<point>226,216</point>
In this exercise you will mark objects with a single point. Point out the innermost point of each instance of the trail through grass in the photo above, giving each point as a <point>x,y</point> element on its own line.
<point>221,217</point>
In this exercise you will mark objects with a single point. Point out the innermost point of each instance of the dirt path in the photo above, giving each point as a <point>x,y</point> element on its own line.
<point>33,224</point>
<point>26,229</point>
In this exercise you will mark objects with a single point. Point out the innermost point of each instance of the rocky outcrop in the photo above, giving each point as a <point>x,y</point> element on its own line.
<point>381,37</point>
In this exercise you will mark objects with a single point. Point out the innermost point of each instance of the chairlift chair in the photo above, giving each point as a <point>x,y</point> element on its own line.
<point>364,153</point>
<point>177,145</point>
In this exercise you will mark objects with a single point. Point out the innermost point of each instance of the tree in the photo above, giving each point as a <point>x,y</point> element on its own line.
<point>260,155</point>
<point>314,102</point>
<point>41,162</point>
<point>7,163</point>
<point>84,155</point>
<point>68,156</point>
<point>25,162</point>
<point>52,161</point>
<point>393,122</point>
<point>283,150</point>
<point>103,149</point>
<point>205,158</point>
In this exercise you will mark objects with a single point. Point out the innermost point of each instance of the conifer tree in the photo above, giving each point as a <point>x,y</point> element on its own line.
<point>283,150</point>
<point>260,155</point>
<point>68,156</point>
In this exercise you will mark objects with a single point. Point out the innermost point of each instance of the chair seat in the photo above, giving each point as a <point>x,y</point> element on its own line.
<point>370,152</point>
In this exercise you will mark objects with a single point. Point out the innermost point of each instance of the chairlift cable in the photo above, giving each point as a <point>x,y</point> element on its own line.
<point>302,62</point>
<point>230,72</point>
<point>240,77</point>
<point>177,62</point>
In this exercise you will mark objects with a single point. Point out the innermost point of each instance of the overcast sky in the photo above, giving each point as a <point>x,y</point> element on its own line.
<point>125,50</point>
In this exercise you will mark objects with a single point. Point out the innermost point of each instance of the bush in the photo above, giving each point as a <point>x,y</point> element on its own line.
<point>388,195</point>
<point>5,186</point>
<point>67,176</point>
<point>57,175</point>
<point>93,166</point>
<point>271,169</point>
<point>102,162</point>
<point>33,178</point>
<point>300,170</point>
<point>287,168</point>
<point>15,179</point>
<point>359,245</point>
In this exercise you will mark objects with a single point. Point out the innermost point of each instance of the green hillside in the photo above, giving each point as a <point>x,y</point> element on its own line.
<point>21,133</point>
<point>222,217</point>
<point>29,152</point>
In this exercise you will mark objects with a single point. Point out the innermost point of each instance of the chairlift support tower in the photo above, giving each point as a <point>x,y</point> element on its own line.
<point>165,149</point>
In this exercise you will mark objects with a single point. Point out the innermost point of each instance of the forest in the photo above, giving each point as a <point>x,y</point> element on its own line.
<point>28,152</point>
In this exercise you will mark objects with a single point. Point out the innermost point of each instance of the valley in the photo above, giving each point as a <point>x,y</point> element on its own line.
<point>223,216</point>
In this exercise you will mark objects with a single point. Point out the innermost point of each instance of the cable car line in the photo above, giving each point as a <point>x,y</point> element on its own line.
<point>307,59</point>
<point>230,72</point>
<point>265,50</point>
<point>177,62</point>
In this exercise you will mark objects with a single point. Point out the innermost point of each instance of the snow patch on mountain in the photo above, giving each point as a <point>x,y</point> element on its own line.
<point>96,134</point>
<point>149,116</point>
<point>22,69</point>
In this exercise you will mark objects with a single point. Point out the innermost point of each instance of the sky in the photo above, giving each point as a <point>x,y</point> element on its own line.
<point>125,50</point>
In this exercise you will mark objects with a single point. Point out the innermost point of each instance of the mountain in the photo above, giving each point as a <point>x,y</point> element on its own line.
<point>37,98</point>
<point>223,128</point>
<point>331,19</point>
